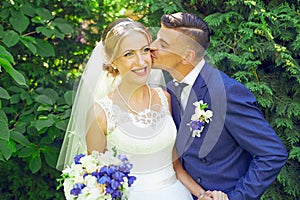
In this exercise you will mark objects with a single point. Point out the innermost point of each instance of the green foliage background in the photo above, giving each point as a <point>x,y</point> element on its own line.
<point>44,45</point>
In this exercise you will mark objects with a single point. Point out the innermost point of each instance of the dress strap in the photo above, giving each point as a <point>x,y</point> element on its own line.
<point>163,99</point>
<point>106,104</point>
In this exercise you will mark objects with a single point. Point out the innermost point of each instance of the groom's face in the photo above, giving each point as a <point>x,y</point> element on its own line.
<point>168,51</point>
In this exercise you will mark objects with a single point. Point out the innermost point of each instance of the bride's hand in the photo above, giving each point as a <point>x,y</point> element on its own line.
<point>218,195</point>
<point>205,196</point>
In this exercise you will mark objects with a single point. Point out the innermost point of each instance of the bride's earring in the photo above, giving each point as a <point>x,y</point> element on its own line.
<point>114,66</point>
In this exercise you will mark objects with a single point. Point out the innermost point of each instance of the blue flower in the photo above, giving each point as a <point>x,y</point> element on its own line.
<point>77,158</point>
<point>77,189</point>
<point>131,179</point>
<point>115,184</point>
<point>122,157</point>
<point>104,179</point>
<point>119,176</point>
<point>125,166</point>
<point>116,194</point>
<point>196,125</point>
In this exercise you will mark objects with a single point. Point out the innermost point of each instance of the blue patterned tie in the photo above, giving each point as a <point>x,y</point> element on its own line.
<point>178,90</point>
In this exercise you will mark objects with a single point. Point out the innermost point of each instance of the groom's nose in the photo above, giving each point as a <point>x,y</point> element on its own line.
<point>153,53</point>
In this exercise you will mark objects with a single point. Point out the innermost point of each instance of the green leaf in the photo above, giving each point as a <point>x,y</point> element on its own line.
<point>63,26</point>
<point>42,123</point>
<point>35,163</point>
<point>62,125</point>
<point>51,155</point>
<point>4,13</point>
<point>19,22</point>
<point>68,96</point>
<point>48,32</point>
<point>44,13</point>
<point>43,99</point>
<point>295,153</point>
<point>6,55</point>
<point>44,108</point>
<point>51,94</point>
<point>26,152</point>
<point>44,48</point>
<point>27,9</point>
<point>4,131</point>
<point>17,76</point>
<point>29,42</point>
<point>11,38</point>
<point>20,138</point>
<point>4,94</point>
<point>6,149</point>
<point>59,34</point>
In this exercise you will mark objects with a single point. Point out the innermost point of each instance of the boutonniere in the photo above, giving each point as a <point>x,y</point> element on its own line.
<point>201,117</point>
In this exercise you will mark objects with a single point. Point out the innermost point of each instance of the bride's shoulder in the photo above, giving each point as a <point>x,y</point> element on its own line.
<point>162,92</point>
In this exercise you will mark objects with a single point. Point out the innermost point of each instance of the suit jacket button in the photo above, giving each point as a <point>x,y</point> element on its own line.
<point>198,180</point>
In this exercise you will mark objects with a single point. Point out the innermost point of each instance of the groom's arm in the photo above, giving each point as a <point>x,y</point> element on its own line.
<point>247,125</point>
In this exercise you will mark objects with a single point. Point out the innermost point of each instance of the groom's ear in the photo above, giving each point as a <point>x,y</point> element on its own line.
<point>189,57</point>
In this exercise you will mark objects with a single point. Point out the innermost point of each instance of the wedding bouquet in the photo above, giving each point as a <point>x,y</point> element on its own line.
<point>99,176</point>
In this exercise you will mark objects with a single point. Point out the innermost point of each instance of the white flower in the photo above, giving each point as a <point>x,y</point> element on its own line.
<point>91,177</point>
<point>201,116</point>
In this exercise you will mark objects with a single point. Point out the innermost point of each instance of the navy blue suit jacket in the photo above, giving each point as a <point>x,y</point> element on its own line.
<point>238,151</point>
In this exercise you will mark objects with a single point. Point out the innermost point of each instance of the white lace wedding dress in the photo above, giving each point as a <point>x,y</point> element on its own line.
<point>147,139</point>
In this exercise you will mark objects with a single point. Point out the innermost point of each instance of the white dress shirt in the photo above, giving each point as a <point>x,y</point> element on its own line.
<point>190,78</point>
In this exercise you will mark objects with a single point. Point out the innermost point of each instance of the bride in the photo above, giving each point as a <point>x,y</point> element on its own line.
<point>116,107</point>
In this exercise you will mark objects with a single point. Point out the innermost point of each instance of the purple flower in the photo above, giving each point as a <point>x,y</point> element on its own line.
<point>104,179</point>
<point>115,184</point>
<point>77,189</point>
<point>195,125</point>
<point>125,167</point>
<point>122,158</point>
<point>77,158</point>
<point>131,179</point>
<point>119,176</point>
<point>116,194</point>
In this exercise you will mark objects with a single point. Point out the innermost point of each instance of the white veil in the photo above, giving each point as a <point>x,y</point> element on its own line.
<point>94,84</point>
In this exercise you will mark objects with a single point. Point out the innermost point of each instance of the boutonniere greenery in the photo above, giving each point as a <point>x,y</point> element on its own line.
<point>201,117</point>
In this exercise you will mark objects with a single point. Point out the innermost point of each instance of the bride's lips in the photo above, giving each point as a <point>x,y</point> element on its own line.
<point>140,71</point>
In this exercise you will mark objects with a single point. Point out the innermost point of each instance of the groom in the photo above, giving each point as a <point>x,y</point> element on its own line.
<point>236,151</point>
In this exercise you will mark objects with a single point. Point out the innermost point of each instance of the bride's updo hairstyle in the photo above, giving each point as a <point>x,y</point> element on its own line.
<point>112,37</point>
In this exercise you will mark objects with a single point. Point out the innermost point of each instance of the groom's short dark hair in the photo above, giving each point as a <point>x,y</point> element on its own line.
<point>190,25</point>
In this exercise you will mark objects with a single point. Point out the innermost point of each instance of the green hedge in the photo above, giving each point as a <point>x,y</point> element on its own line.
<point>44,45</point>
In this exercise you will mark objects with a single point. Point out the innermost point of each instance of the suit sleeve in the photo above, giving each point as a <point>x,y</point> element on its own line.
<point>254,134</point>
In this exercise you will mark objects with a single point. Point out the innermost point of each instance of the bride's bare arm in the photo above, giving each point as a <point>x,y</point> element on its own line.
<point>185,178</point>
<point>181,174</point>
<point>96,129</point>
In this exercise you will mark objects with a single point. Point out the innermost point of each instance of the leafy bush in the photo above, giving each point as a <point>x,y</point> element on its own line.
<point>44,44</point>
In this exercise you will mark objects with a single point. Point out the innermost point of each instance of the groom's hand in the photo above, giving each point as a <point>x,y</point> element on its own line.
<point>216,195</point>
<point>205,196</point>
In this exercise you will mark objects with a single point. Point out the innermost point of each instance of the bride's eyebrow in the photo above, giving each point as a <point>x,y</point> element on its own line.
<point>129,50</point>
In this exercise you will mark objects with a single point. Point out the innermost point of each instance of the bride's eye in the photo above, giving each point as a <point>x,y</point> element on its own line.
<point>146,50</point>
<point>128,54</point>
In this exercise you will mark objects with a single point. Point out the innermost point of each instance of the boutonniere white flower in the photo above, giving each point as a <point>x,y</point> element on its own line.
<point>201,117</point>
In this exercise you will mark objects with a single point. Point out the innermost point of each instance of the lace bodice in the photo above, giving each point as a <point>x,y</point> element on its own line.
<point>147,139</point>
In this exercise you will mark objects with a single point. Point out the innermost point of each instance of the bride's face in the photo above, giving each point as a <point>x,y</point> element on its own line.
<point>134,63</point>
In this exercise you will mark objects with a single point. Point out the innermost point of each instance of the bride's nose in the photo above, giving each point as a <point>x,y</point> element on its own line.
<point>140,59</point>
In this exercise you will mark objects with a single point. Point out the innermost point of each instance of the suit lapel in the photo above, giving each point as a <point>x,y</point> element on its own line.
<point>198,92</point>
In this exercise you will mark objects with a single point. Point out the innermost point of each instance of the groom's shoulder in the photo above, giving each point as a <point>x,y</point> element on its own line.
<point>223,77</point>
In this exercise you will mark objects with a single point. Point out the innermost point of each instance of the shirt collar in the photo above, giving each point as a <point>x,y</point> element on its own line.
<point>192,76</point>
